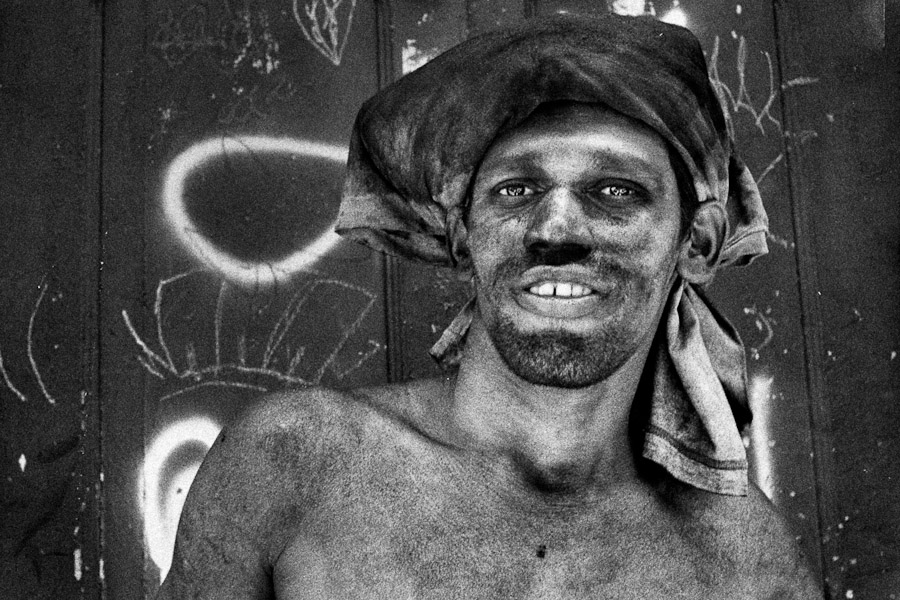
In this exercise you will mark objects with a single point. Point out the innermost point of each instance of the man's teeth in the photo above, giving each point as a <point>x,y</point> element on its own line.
<point>562,290</point>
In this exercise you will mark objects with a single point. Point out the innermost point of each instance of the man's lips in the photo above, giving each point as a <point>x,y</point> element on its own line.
<point>562,292</point>
<point>564,282</point>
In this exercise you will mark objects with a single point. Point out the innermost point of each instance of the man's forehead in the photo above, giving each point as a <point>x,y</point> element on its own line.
<point>591,132</point>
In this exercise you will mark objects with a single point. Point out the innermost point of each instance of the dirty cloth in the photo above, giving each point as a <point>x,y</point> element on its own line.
<point>417,144</point>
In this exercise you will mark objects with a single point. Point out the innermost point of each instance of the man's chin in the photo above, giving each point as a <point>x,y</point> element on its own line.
<point>558,358</point>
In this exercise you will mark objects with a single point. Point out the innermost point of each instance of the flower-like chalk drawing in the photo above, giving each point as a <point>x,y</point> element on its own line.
<point>320,21</point>
<point>238,348</point>
<point>236,269</point>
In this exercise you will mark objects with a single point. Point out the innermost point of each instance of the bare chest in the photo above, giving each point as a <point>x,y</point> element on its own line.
<point>411,535</point>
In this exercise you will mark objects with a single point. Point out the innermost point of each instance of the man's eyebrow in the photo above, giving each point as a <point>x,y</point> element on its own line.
<point>627,161</point>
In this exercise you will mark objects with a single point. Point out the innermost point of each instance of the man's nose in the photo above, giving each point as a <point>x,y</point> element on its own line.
<point>558,231</point>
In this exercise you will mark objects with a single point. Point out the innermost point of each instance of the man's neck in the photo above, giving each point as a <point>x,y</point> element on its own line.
<point>555,439</point>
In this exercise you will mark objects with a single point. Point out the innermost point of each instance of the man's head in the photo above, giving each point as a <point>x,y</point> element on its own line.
<point>422,183</point>
<point>418,144</point>
<point>574,236</point>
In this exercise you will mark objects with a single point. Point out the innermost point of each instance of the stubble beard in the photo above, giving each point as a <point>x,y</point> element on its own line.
<point>560,358</point>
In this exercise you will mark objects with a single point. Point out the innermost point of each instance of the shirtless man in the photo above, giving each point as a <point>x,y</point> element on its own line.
<point>549,463</point>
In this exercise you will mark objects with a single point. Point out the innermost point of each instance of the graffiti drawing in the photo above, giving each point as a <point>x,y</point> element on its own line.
<point>734,102</point>
<point>243,36</point>
<point>169,467</point>
<point>267,366</point>
<point>255,104</point>
<point>181,36</point>
<point>321,24</point>
<point>29,349</point>
<point>764,323</point>
<point>234,269</point>
<point>259,50</point>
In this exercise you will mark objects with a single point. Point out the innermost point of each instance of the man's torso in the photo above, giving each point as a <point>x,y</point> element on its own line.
<point>395,513</point>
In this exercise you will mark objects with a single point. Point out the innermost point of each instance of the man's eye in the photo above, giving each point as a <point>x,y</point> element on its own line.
<point>514,189</point>
<point>618,191</point>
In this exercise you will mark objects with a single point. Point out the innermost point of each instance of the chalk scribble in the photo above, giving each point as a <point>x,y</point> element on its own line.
<point>320,21</point>
<point>273,365</point>
<point>29,350</point>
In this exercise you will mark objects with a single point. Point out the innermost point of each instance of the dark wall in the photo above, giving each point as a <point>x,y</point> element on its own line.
<point>169,175</point>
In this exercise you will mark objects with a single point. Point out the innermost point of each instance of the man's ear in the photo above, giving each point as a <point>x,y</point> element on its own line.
<point>700,253</point>
<point>457,236</point>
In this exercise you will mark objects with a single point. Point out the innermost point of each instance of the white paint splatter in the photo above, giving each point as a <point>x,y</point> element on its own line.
<point>162,507</point>
<point>233,268</point>
<point>630,8</point>
<point>77,556</point>
<point>676,16</point>
<point>761,433</point>
<point>412,57</point>
<point>797,81</point>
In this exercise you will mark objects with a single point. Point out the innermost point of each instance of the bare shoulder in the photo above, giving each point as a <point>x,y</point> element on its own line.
<point>748,536</point>
<point>264,472</point>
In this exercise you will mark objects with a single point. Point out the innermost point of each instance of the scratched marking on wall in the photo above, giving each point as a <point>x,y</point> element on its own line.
<point>255,103</point>
<point>280,361</point>
<point>325,25</point>
<point>736,99</point>
<point>236,37</point>
<point>734,102</point>
<point>249,273</point>
<point>241,49</point>
<point>29,349</point>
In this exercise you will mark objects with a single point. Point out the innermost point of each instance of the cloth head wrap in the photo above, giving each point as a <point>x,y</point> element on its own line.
<point>417,144</point>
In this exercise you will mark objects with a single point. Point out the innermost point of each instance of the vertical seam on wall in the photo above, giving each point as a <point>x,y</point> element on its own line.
<point>388,71</point>
<point>98,138</point>
<point>810,318</point>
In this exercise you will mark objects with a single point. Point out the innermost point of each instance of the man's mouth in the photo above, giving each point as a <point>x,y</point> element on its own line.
<point>560,289</point>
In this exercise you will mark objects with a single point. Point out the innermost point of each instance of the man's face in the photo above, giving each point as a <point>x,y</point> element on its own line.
<point>574,237</point>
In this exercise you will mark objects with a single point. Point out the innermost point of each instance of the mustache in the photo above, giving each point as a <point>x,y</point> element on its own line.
<point>603,266</point>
